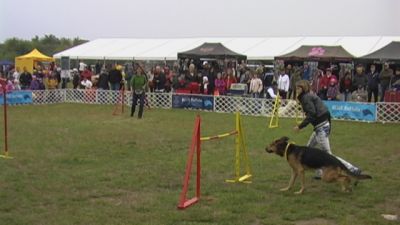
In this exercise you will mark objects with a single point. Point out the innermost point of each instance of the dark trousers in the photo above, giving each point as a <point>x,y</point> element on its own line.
<point>137,97</point>
<point>384,88</point>
<point>373,91</point>
<point>283,94</point>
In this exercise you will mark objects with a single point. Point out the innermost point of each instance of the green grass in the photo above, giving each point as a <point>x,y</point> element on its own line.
<point>78,164</point>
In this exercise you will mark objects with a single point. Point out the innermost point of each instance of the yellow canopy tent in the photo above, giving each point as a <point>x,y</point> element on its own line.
<point>29,60</point>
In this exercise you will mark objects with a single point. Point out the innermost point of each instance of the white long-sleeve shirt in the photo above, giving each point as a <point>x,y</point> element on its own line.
<point>271,93</point>
<point>283,82</point>
<point>256,85</point>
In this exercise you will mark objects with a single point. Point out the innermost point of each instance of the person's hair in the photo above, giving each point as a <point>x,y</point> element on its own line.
<point>304,85</point>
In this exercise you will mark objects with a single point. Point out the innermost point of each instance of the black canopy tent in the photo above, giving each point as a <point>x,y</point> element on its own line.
<point>390,52</point>
<point>211,51</point>
<point>318,53</point>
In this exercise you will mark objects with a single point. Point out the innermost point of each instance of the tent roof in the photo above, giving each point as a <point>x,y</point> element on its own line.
<point>211,50</point>
<point>388,52</point>
<point>318,52</point>
<point>35,54</point>
<point>255,48</point>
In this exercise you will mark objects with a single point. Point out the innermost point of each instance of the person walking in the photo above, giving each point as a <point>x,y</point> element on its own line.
<point>319,116</point>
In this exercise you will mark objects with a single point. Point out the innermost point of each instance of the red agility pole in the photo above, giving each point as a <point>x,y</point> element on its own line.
<point>3,83</point>
<point>184,202</point>
<point>120,102</point>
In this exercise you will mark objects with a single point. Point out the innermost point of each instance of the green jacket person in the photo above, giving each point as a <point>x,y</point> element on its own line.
<point>138,85</point>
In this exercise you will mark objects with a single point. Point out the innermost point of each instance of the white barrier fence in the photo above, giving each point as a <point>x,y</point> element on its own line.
<point>385,111</point>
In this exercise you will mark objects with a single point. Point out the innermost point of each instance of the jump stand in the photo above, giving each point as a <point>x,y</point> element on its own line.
<point>240,155</point>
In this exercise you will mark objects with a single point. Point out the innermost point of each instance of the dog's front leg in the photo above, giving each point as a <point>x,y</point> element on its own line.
<point>291,181</point>
<point>302,180</point>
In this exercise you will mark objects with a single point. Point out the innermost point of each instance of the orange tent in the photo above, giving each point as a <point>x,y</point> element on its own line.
<point>29,60</point>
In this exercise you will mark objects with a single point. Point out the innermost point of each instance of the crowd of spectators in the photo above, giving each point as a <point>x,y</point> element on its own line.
<point>210,78</point>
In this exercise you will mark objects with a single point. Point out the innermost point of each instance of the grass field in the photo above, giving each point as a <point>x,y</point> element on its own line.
<point>78,164</point>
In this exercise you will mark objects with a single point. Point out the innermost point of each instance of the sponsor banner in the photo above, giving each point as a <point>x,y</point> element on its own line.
<point>17,97</point>
<point>352,110</point>
<point>193,101</point>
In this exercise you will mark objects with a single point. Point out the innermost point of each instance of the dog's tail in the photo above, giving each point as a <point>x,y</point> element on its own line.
<point>361,176</point>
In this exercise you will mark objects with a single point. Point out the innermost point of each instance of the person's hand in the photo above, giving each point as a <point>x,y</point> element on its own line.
<point>296,129</point>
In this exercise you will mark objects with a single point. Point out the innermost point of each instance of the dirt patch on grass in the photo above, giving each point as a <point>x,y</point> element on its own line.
<point>316,221</point>
<point>119,197</point>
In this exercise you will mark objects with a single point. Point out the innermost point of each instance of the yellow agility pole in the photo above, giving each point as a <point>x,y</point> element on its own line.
<point>275,113</point>
<point>240,147</point>
<point>297,108</point>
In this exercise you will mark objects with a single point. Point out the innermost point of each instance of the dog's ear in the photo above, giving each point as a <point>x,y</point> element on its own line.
<point>284,139</point>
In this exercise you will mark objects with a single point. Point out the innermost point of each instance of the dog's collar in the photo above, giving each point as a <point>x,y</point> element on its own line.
<point>287,147</point>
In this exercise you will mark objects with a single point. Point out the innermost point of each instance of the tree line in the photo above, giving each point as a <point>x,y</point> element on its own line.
<point>48,45</point>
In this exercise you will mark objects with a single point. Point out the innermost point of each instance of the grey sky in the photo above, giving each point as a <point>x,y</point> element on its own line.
<point>91,19</point>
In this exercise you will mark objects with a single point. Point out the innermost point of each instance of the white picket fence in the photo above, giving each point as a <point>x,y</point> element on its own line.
<point>386,112</point>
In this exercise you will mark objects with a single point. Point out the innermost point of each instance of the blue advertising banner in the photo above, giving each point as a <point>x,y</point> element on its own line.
<point>352,110</point>
<point>193,101</point>
<point>17,97</point>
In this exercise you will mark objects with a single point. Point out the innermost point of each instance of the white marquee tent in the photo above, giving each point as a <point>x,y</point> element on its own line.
<point>254,48</point>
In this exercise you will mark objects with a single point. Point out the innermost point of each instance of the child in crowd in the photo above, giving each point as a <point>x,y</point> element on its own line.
<point>332,90</point>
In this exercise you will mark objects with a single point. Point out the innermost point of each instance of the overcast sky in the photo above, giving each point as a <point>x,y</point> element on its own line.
<point>91,19</point>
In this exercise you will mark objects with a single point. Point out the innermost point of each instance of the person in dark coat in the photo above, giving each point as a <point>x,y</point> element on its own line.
<point>373,83</point>
<point>103,80</point>
<point>115,78</point>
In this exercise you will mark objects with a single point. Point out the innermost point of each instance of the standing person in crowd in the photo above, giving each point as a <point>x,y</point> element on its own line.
<point>271,92</point>
<point>319,116</point>
<point>15,75</point>
<point>283,84</point>
<point>333,90</point>
<point>159,80</point>
<point>75,78</point>
<point>103,80</point>
<point>230,79</point>
<point>115,78</point>
<point>220,85</point>
<point>373,83</point>
<point>25,79</point>
<point>256,86</point>
<point>359,78</point>
<point>296,76</point>
<point>359,95</point>
<point>209,73</point>
<point>52,82</point>
<point>57,75</point>
<point>385,76</point>
<point>396,80</point>
<point>267,79</point>
<point>82,67</point>
<point>306,72</point>
<point>138,87</point>
<point>34,85</point>
<point>86,83</point>
<point>191,74</point>
<point>346,86</point>
<point>65,75</point>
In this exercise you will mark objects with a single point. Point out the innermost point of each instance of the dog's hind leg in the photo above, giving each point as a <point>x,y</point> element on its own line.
<point>345,183</point>
<point>302,180</point>
<point>291,181</point>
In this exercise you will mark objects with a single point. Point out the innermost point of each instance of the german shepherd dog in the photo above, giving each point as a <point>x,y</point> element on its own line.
<point>301,158</point>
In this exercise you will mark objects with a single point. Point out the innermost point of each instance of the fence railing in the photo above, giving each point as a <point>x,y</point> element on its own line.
<point>385,111</point>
